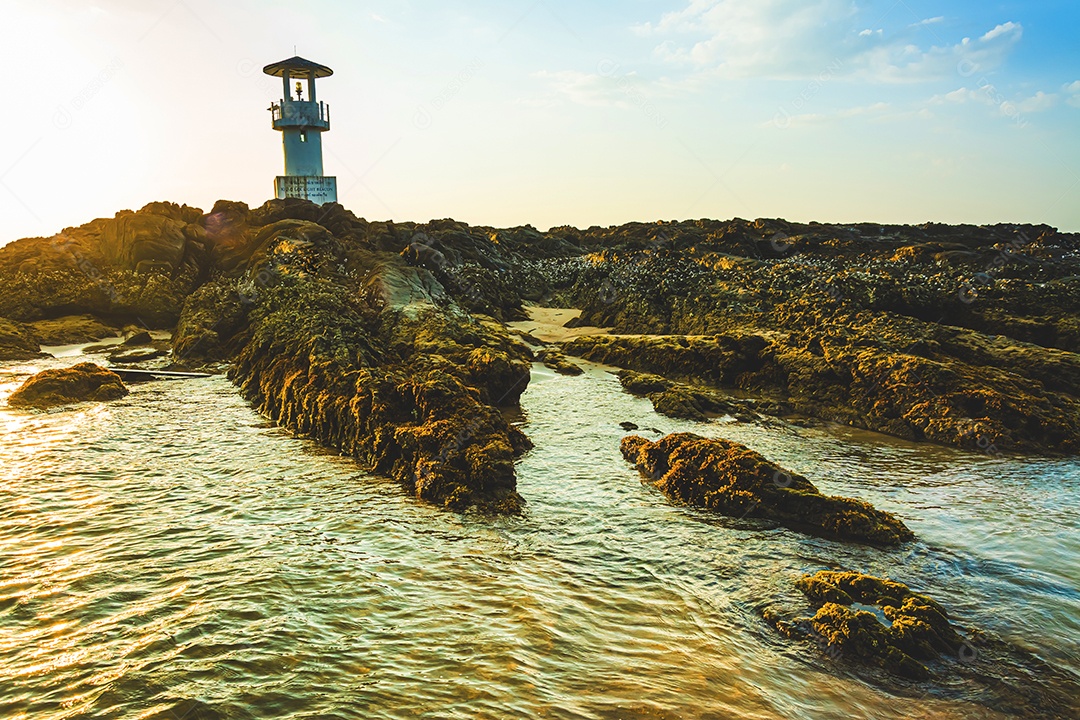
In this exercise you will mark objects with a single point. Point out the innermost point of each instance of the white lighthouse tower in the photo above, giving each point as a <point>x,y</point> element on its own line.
<point>302,123</point>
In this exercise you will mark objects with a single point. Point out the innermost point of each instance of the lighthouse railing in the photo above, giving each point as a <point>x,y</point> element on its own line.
<point>294,113</point>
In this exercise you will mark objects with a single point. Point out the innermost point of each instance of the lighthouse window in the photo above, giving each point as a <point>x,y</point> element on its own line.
<point>303,137</point>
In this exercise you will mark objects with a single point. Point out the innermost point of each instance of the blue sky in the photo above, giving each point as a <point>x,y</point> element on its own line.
<point>552,112</point>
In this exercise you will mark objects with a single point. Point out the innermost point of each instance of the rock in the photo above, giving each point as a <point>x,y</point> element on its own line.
<point>144,241</point>
<point>79,383</point>
<point>211,318</point>
<point>389,373</point>
<point>628,426</point>
<point>17,341</point>
<point>72,330</point>
<point>138,338</point>
<point>555,360</point>
<point>875,624</point>
<point>678,403</point>
<point>716,358</point>
<point>918,629</point>
<point>736,481</point>
<point>683,401</point>
<point>642,383</point>
<point>138,354</point>
<point>951,386</point>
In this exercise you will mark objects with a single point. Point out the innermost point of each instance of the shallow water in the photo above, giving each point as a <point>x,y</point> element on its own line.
<point>174,547</point>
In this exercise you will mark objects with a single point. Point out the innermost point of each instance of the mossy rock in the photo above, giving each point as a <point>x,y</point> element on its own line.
<point>555,360</point>
<point>17,341</point>
<point>80,383</point>
<point>919,628</point>
<point>734,480</point>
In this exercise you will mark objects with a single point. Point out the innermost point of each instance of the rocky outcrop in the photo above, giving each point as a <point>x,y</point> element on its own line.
<point>79,383</point>
<point>72,330</point>
<point>145,242</point>
<point>890,374</point>
<point>136,267</point>
<point>377,363</point>
<point>873,623</point>
<point>736,481</point>
<point>916,628</point>
<point>17,341</point>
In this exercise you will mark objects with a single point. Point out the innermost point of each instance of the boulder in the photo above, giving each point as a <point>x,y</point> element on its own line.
<point>683,401</point>
<point>79,383</point>
<point>917,629</point>
<point>138,339</point>
<point>735,481</point>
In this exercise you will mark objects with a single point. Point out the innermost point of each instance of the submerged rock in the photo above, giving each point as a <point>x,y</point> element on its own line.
<point>736,481</point>
<point>79,383</point>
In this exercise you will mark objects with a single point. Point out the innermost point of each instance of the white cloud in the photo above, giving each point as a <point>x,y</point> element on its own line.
<point>1073,90</point>
<point>606,88</point>
<point>1009,28</point>
<point>783,120</point>
<point>789,39</point>
<point>1038,102</point>
<point>989,95</point>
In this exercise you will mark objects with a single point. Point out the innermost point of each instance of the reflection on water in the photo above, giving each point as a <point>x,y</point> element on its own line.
<point>172,553</point>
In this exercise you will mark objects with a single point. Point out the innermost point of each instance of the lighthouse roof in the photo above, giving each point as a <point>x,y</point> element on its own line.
<point>298,67</point>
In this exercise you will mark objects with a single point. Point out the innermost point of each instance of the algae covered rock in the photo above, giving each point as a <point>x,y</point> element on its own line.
<point>918,627</point>
<point>683,401</point>
<point>79,383</point>
<point>555,360</point>
<point>72,330</point>
<point>386,370</point>
<point>211,317</point>
<point>736,481</point>
<point>17,341</point>
<point>887,632</point>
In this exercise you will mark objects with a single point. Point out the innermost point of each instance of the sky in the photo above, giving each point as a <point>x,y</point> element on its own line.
<point>552,112</point>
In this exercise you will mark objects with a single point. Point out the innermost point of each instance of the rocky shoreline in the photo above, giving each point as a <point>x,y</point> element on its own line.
<point>389,342</point>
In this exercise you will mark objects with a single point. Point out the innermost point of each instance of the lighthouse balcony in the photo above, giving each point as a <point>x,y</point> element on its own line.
<point>300,114</point>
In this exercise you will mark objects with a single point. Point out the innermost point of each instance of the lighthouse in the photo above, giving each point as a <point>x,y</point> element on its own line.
<point>302,121</point>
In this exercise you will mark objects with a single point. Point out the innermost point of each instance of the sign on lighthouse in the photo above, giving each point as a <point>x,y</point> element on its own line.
<point>302,123</point>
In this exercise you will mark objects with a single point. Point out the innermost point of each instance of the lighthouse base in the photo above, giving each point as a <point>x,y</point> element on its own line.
<point>319,190</point>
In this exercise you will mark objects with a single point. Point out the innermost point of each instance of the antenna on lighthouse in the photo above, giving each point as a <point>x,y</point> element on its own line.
<point>302,123</point>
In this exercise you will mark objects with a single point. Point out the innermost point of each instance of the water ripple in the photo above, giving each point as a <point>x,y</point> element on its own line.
<point>172,555</point>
